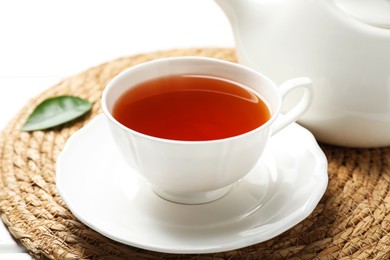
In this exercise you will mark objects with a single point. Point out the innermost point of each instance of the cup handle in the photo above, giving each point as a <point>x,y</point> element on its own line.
<point>294,113</point>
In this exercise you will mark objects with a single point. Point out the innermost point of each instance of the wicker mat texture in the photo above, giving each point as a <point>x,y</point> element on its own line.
<point>352,221</point>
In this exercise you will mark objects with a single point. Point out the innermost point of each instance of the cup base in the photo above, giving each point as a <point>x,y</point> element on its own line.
<point>192,198</point>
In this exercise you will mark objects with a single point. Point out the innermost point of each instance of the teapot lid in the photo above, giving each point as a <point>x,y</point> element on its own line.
<point>373,12</point>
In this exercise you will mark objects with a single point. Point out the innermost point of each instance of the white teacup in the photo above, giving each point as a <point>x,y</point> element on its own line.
<point>194,172</point>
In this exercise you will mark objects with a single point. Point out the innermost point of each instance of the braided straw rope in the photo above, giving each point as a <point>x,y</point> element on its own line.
<point>352,221</point>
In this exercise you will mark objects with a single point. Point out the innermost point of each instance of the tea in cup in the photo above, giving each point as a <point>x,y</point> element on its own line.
<point>193,126</point>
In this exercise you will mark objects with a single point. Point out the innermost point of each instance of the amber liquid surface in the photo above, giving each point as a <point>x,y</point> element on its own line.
<point>190,108</point>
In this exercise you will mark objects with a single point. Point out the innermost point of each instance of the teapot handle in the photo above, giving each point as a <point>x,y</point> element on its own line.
<point>303,104</point>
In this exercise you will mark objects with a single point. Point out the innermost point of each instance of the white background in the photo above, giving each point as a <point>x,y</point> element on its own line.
<point>44,41</point>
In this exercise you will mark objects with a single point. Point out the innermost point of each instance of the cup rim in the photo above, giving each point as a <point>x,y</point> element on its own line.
<point>112,82</point>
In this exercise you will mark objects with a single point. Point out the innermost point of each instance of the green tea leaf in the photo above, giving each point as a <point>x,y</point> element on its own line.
<point>56,111</point>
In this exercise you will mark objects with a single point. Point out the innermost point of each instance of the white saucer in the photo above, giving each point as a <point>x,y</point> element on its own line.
<point>106,194</point>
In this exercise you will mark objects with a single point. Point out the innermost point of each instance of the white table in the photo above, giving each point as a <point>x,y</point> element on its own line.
<point>44,41</point>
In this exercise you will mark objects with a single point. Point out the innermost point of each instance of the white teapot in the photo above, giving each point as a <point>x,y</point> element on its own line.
<point>342,45</point>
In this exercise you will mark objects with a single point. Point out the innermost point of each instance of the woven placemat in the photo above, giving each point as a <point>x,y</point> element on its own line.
<point>352,221</point>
